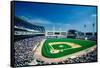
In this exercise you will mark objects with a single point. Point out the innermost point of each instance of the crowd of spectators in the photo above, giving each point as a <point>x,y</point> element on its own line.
<point>88,57</point>
<point>85,58</point>
<point>23,50</point>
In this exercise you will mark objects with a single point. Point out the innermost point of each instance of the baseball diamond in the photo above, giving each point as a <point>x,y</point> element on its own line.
<point>56,48</point>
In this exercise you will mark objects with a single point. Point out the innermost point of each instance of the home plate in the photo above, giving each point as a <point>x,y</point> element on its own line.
<point>54,51</point>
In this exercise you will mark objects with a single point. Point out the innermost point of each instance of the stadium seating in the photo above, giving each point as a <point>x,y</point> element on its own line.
<point>23,50</point>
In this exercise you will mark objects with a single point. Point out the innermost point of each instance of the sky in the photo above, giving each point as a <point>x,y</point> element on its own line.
<point>57,17</point>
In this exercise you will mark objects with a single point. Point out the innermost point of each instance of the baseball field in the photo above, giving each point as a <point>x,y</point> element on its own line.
<point>59,47</point>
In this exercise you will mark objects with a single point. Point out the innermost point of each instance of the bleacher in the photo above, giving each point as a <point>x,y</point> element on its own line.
<point>24,29</point>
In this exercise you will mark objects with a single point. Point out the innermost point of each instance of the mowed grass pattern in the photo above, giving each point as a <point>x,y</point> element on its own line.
<point>46,48</point>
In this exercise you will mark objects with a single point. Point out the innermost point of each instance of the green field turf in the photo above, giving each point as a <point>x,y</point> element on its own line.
<point>57,46</point>
<point>68,50</point>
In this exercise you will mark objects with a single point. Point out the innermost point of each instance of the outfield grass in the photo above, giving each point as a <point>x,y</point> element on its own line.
<point>46,47</point>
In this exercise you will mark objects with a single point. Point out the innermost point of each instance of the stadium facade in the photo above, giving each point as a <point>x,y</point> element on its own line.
<point>56,34</point>
<point>24,29</point>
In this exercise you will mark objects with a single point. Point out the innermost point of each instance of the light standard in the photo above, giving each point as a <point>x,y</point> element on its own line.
<point>85,29</point>
<point>93,28</point>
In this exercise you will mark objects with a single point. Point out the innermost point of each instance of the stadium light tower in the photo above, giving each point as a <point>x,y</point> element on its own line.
<point>93,28</point>
<point>85,29</point>
<point>60,30</point>
<point>93,19</point>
